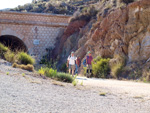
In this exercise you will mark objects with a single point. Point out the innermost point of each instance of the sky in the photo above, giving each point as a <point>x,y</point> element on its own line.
<point>12,3</point>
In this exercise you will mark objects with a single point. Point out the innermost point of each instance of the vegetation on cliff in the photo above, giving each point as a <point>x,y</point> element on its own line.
<point>67,7</point>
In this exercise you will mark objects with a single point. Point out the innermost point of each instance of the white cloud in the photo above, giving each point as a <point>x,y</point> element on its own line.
<point>12,3</point>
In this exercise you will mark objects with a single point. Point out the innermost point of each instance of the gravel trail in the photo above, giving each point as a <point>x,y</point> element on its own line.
<point>24,93</point>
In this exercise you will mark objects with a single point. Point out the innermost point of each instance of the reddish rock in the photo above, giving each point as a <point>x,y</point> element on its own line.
<point>123,31</point>
<point>72,28</point>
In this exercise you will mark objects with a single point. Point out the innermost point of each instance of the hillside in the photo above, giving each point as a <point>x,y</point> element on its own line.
<point>115,30</point>
<point>67,7</point>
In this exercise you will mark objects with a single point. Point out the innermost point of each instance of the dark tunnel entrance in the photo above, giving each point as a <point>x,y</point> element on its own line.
<point>13,43</point>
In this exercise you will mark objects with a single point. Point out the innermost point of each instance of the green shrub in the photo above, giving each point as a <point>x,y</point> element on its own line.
<point>98,58</point>
<point>102,94</point>
<point>145,73</point>
<point>64,77</point>
<point>75,82</point>
<point>116,65</point>
<point>86,15</point>
<point>100,68</point>
<point>10,56</point>
<point>63,68</point>
<point>116,70</point>
<point>136,74</point>
<point>50,72</point>
<point>85,70</point>
<point>41,71</point>
<point>81,83</point>
<point>24,58</point>
<point>3,49</point>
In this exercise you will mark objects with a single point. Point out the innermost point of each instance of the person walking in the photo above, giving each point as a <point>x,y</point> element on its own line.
<point>78,63</point>
<point>71,61</point>
<point>89,60</point>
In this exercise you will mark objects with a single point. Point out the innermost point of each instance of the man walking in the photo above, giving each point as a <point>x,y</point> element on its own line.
<point>89,59</point>
<point>71,61</point>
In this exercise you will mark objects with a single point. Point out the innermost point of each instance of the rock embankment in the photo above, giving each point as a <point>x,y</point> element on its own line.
<point>123,31</point>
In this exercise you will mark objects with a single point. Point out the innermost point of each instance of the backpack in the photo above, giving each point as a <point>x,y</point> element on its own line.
<point>84,62</point>
<point>70,57</point>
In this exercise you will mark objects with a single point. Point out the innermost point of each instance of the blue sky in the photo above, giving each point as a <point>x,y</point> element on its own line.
<point>12,3</point>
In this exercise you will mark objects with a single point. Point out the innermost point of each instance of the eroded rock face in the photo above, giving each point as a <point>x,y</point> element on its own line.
<point>124,31</point>
<point>71,29</point>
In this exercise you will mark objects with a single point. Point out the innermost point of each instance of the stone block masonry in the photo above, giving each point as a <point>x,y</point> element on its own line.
<point>37,31</point>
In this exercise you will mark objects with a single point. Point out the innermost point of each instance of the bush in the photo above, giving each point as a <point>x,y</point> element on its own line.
<point>116,65</point>
<point>85,70</point>
<point>41,71</point>
<point>28,67</point>
<point>116,70</point>
<point>100,68</point>
<point>14,65</point>
<point>63,68</point>
<point>64,77</point>
<point>3,49</point>
<point>24,58</point>
<point>10,56</point>
<point>98,58</point>
<point>86,15</point>
<point>50,72</point>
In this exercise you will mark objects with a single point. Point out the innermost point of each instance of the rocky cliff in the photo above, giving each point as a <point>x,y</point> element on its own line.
<point>121,31</point>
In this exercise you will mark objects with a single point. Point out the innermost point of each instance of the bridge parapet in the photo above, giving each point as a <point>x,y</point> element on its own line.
<point>34,18</point>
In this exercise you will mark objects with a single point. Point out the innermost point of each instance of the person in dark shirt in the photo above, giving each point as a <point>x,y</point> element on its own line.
<point>89,60</point>
<point>78,63</point>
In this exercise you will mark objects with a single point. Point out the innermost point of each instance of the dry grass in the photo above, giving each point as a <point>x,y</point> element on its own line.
<point>31,80</point>
<point>28,67</point>
<point>3,49</point>
<point>102,94</point>
<point>35,81</point>
<point>10,56</point>
<point>146,75</point>
<point>138,97</point>
<point>57,83</point>
<point>116,65</point>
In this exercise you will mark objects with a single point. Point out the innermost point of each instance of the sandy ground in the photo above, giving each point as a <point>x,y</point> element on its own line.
<point>23,92</point>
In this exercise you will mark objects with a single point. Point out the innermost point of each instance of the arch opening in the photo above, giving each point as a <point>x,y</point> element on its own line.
<point>13,42</point>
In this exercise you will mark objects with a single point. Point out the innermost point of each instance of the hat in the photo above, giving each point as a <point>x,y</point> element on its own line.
<point>89,52</point>
<point>72,52</point>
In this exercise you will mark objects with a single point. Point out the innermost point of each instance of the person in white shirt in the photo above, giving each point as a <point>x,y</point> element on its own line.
<point>71,61</point>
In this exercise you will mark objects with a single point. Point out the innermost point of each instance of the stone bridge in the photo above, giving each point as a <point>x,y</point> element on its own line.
<point>31,32</point>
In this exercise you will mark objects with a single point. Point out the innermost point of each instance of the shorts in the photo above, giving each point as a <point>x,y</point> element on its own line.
<point>89,66</point>
<point>72,67</point>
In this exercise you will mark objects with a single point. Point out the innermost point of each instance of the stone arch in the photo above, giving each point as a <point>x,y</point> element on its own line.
<point>13,42</point>
<point>11,38</point>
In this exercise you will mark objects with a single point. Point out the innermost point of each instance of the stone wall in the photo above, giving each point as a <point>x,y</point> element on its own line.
<point>37,31</point>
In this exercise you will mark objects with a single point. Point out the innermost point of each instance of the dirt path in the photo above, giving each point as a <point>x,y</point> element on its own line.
<point>116,86</point>
<point>21,92</point>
